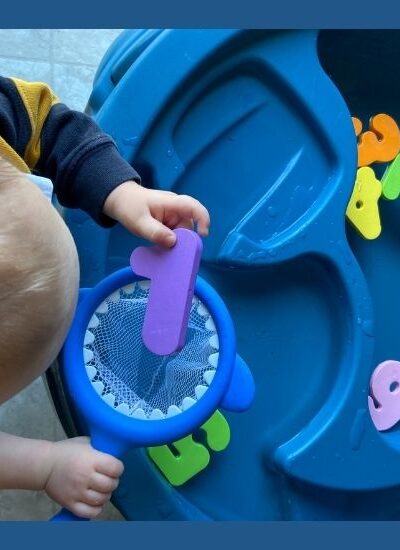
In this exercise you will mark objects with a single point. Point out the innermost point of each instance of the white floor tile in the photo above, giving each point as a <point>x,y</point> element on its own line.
<point>85,46</point>
<point>27,70</point>
<point>26,43</point>
<point>73,84</point>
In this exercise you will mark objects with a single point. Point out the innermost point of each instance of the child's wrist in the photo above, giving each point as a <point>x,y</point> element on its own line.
<point>110,207</point>
<point>43,463</point>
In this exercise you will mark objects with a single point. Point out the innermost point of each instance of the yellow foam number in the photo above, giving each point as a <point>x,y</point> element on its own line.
<point>184,459</point>
<point>363,210</point>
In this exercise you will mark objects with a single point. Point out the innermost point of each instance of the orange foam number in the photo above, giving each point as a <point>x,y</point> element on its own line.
<point>357,125</point>
<point>381,143</point>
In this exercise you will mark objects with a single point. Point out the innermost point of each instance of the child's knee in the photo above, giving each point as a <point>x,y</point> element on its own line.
<point>38,282</point>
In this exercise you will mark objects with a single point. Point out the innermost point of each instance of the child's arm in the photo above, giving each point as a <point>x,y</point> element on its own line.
<point>61,144</point>
<point>71,472</point>
<point>85,166</point>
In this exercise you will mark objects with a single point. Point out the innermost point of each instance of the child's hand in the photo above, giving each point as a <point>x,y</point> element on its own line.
<point>153,214</point>
<point>81,479</point>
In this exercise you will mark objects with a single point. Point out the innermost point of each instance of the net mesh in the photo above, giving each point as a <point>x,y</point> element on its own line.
<point>131,378</point>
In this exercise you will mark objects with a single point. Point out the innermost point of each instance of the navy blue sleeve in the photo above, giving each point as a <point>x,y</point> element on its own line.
<point>15,126</point>
<point>82,162</point>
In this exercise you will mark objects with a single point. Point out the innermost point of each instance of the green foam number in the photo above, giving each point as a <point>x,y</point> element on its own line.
<point>391,180</point>
<point>217,431</point>
<point>191,457</point>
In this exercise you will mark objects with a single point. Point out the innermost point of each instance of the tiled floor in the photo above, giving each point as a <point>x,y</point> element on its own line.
<point>67,60</point>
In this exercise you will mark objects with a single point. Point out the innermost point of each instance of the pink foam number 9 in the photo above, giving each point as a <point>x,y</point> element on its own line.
<point>172,272</point>
<point>385,391</point>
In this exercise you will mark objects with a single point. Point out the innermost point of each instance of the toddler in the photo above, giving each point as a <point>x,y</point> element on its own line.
<point>39,274</point>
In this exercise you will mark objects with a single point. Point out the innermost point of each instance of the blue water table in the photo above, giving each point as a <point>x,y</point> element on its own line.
<point>257,125</point>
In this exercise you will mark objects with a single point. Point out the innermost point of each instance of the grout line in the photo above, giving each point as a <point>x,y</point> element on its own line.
<point>76,64</point>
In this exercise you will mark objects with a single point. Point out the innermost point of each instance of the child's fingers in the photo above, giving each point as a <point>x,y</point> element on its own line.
<point>94,498</point>
<point>109,466</point>
<point>154,231</point>
<point>190,208</point>
<point>84,510</point>
<point>186,224</point>
<point>102,483</point>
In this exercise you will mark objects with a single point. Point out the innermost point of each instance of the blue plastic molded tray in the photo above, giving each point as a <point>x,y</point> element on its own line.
<point>249,123</point>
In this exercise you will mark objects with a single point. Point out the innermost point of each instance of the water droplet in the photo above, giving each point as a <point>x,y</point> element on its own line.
<point>367,327</point>
<point>170,153</point>
<point>130,140</point>
<point>271,211</point>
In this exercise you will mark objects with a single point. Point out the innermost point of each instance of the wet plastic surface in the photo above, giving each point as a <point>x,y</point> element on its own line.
<point>249,123</point>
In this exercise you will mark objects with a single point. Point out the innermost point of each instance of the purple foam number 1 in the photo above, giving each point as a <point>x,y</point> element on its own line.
<point>385,391</point>
<point>172,272</point>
